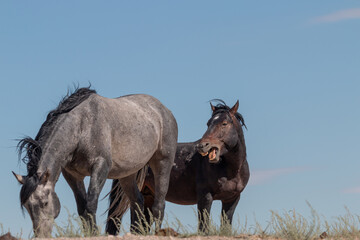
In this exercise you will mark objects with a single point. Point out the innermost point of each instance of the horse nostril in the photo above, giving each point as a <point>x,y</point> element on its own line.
<point>202,145</point>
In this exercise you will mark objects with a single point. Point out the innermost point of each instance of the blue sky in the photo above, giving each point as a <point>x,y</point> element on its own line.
<point>294,67</point>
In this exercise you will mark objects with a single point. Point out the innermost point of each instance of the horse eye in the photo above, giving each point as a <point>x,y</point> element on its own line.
<point>43,204</point>
<point>225,123</point>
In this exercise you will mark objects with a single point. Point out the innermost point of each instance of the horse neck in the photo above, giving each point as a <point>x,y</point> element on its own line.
<point>57,149</point>
<point>236,156</point>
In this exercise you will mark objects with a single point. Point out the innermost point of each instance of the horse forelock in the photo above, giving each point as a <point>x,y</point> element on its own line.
<point>32,151</point>
<point>28,188</point>
<point>221,107</point>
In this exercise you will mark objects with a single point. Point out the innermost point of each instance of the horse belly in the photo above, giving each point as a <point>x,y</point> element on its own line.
<point>181,191</point>
<point>182,185</point>
<point>131,154</point>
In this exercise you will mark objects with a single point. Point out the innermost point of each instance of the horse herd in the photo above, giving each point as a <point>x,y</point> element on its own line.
<point>132,140</point>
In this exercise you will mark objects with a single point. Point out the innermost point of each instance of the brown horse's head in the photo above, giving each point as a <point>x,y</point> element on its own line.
<point>223,133</point>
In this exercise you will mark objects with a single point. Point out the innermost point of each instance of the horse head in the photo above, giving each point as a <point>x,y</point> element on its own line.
<point>222,135</point>
<point>37,195</point>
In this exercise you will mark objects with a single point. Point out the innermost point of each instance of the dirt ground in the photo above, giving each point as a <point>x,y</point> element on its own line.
<point>136,237</point>
<point>170,235</point>
<point>129,236</point>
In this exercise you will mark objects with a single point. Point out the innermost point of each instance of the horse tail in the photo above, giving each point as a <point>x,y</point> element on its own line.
<point>119,203</point>
<point>113,222</point>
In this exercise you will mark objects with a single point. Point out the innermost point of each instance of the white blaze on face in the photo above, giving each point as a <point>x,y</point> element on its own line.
<point>216,117</point>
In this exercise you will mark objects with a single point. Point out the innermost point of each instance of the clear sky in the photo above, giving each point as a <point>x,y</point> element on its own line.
<point>293,65</point>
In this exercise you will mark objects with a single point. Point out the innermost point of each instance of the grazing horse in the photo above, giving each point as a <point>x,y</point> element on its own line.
<point>212,168</point>
<point>90,135</point>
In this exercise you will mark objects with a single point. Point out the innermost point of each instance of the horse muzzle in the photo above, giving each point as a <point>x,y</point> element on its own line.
<point>210,150</point>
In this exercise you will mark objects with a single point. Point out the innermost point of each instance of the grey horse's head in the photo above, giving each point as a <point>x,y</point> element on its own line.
<point>40,200</point>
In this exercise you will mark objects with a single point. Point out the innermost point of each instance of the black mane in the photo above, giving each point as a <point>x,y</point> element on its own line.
<point>222,107</point>
<point>32,147</point>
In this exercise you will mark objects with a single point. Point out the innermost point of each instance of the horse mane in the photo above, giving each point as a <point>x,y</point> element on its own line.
<point>32,147</point>
<point>222,107</point>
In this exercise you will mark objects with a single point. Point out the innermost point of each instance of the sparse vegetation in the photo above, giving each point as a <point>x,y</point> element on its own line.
<point>75,226</point>
<point>289,225</point>
<point>346,226</point>
<point>292,225</point>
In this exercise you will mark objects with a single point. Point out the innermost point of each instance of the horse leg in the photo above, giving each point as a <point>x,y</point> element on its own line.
<point>113,224</point>
<point>205,200</point>
<point>148,203</point>
<point>78,188</point>
<point>161,169</point>
<point>98,177</point>
<point>129,186</point>
<point>227,213</point>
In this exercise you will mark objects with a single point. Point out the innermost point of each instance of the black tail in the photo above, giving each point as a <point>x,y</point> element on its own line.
<point>120,203</point>
<point>113,222</point>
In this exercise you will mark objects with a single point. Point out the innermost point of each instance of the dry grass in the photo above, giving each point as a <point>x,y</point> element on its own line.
<point>292,225</point>
<point>346,226</point>
<point>285,225</point>
<point>75,227</point>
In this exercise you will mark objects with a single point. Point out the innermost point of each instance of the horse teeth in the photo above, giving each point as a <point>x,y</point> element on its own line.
<point>212,154</point>
<point>204,154</point>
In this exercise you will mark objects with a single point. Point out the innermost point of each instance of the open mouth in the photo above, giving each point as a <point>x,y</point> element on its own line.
<point>212,153</point>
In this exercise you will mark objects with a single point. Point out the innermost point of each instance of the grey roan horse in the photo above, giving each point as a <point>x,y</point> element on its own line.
<point>89,135</point>
<point>212,168</point>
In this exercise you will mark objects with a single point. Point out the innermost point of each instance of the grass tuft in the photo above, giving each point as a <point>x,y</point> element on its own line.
<point>294,226</point>
<point>76,226</point>
<point>345,226</point>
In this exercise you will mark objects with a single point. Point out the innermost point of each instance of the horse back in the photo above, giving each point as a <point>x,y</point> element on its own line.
<point>127,130</point>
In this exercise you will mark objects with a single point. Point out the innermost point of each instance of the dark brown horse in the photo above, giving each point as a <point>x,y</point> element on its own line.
<point>212,168</point>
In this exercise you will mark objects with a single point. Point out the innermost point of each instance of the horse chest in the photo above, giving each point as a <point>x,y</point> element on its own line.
<point>222,182</point>
<point>226,189</point>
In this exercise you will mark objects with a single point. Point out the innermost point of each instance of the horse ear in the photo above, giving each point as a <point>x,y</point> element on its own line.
<point>44,177</point>
<point>212,107</point>
<point>234,109</point>
<point>21,179</point>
